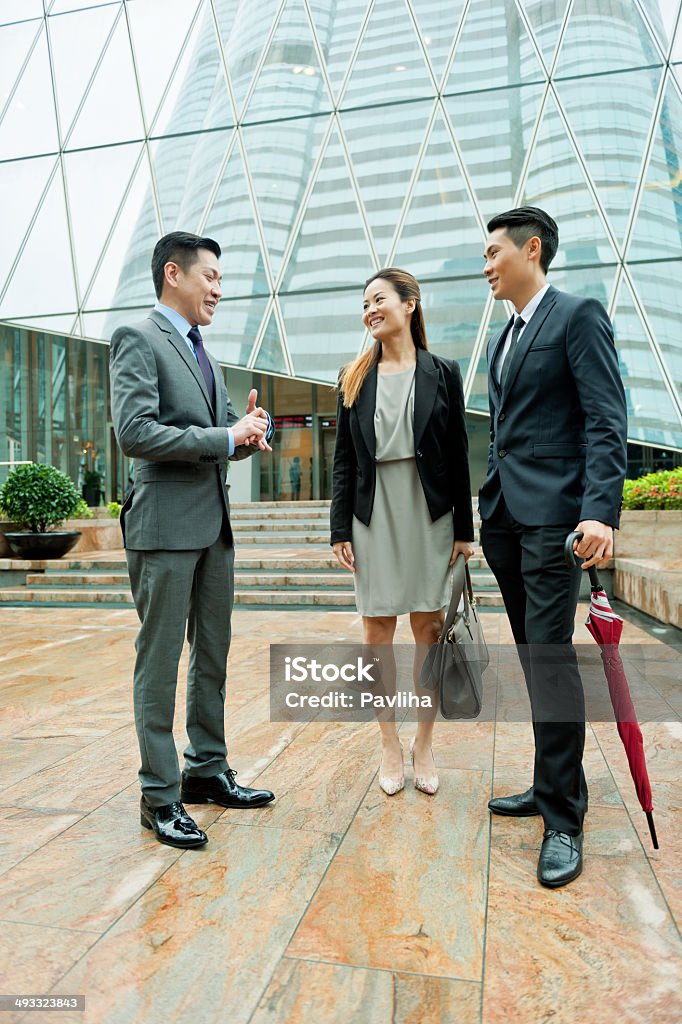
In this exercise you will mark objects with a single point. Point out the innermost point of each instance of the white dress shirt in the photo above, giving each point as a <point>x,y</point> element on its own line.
<point>526,313</point>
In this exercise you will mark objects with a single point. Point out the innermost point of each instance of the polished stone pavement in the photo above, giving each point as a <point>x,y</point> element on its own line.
<point>335,903</point>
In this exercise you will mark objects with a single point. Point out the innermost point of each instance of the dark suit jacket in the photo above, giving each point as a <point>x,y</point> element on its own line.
<point>440,448</point>
<point>558,429</point>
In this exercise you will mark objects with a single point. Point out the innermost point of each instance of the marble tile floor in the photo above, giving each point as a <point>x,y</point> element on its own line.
<point>335,904</point>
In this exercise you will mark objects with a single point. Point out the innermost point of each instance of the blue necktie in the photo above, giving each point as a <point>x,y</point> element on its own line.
<point>194,336</point>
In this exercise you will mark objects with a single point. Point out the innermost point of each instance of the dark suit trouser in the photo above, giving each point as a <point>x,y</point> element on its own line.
<point>540,595</point>
<point>177,592</point>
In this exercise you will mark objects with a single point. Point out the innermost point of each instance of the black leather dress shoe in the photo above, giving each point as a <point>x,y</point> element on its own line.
<point>520,806</point>
<point>561,858</point>
<point>222,789</point>
<point>172,825</point>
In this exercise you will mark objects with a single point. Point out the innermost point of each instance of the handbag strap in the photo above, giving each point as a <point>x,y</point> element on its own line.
<point>461,587</point>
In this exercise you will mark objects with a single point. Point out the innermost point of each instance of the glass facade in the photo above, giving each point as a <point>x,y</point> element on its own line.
<point>317,141</point>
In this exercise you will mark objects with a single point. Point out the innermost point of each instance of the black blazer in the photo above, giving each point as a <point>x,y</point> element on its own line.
<point>558,429</point>
<point>440,448</point>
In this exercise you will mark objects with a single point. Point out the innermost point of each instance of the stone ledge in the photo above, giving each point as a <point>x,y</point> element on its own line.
<point>652,588</point>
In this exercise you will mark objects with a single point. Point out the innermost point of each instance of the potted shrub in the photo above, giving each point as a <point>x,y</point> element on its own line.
<point>39,498</point>
<point>92,487</point>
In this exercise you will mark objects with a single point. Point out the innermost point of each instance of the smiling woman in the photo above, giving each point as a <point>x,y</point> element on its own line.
<point>401,507</point>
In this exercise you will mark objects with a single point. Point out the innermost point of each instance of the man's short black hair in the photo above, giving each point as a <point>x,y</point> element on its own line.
<point>526,221</point>
<point>178,247</point>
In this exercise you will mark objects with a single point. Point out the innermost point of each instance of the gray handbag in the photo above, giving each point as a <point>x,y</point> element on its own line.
<point>456,662</point>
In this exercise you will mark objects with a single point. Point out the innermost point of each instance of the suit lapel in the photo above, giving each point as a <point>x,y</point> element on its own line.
<point>220,415</point>
<point>183,350</point>
<point>528,337</point>
<point>365,407</point>
<point>425,380</point>
<point>493,353</point>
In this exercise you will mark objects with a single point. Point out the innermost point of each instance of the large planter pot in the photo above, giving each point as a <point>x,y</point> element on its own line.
<point>42,545</point>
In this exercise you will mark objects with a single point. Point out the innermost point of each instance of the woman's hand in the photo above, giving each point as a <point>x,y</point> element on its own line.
<point>343,550</point>
<point>462,547</point>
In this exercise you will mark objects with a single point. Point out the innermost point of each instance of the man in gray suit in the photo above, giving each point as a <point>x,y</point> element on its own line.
<point>173,416</point>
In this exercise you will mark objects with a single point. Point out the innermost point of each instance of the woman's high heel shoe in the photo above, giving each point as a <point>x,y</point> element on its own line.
<point>390,784</point>
<point>424,783</point>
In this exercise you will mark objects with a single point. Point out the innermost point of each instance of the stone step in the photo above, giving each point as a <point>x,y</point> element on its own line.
<point>258,525</point>
<point>65,595</point>
<point>96,580</point>
<point>281,581</point>
<point>314,504</point>
<point>257,511</point>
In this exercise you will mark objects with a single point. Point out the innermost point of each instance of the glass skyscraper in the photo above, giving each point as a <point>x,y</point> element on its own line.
<point>317,140</point>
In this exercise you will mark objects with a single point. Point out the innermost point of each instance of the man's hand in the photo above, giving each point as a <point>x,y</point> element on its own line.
<point>343,550</point>
<point>596,547</point>
<point>462,547</point>
<point>252,427</point>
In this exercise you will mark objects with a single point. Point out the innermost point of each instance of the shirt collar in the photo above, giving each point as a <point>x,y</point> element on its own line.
<point>176,319</point>
<point>529,308</point>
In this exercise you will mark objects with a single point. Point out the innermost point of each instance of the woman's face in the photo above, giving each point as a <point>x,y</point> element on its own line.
<point>384,314</point>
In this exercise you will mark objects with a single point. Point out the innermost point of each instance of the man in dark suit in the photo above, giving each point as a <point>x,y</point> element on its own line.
<point>172,414</point>
<point>556,463</point>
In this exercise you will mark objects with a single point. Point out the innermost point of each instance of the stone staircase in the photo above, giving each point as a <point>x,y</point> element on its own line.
<point>283,562</point>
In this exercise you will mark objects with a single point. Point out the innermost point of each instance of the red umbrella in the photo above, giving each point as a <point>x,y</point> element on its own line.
<point>606,628</point>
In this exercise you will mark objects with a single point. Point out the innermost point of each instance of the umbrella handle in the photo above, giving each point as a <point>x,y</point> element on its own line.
<point>652,829</point>
<point>573,560</point>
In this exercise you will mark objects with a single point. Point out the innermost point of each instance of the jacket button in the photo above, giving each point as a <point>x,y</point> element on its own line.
<point>418,453</point>
<point>502,416</point>
<point>502,452</point>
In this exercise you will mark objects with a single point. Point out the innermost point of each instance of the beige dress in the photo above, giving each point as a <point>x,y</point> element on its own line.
<point>402,557</point>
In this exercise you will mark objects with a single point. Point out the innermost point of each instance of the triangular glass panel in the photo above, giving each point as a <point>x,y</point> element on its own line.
<point>47,324</point>
<point>612,145</point>
<point>546,18</point>
<point>29,125</point>
<point>438,23</point>
<point>24,181</point>
<point>662,16</point>
<point>47,246</point>
<point>111,169</point>
<point>657,231</point>
<point>337,26</point>
<point>91,29</point>
<point>494,49</point>
<point>185,167</point>
<point>660,292</point>
<point>231,222</point>
<point>676,53</point>
<point>389,65</point>
<point>101,326</point>
<point>319,354</point>
<point>331,248</point>
<point>499,314</point>
<point>198,98</point>
<point>243,37</point>
<point>588,282</point>
<point>605,37</point>
<point>18,42</point>
<point>234,329</point>
<point>290,83</point>
<point>383,155</point>
<point>556,183</point>
<point>61,6</point>
<point>270,354</point>
<point>441,236</point>
<point>157,51</point>
<point>494,130</point>
<point>124,277</point>
<point>281,157</point>
<point>111,112</point>
<point>20,10</point>
<point>652,416</point>
<point>453,336</point>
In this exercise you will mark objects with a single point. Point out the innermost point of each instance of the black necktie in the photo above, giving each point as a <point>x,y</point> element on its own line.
<point>516,330</point>
<point>194,336</point>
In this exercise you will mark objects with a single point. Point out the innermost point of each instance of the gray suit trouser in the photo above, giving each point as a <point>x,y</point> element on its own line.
<point>177,592</point>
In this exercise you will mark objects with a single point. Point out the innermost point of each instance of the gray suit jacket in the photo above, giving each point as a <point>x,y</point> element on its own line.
<point>163,419</point>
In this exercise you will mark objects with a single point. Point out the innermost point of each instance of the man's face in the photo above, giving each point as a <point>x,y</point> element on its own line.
<point>508,269</point>
<point>195,292</point>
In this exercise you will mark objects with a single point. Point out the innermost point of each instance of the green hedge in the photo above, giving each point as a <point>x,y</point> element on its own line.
<point>655,490</point>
